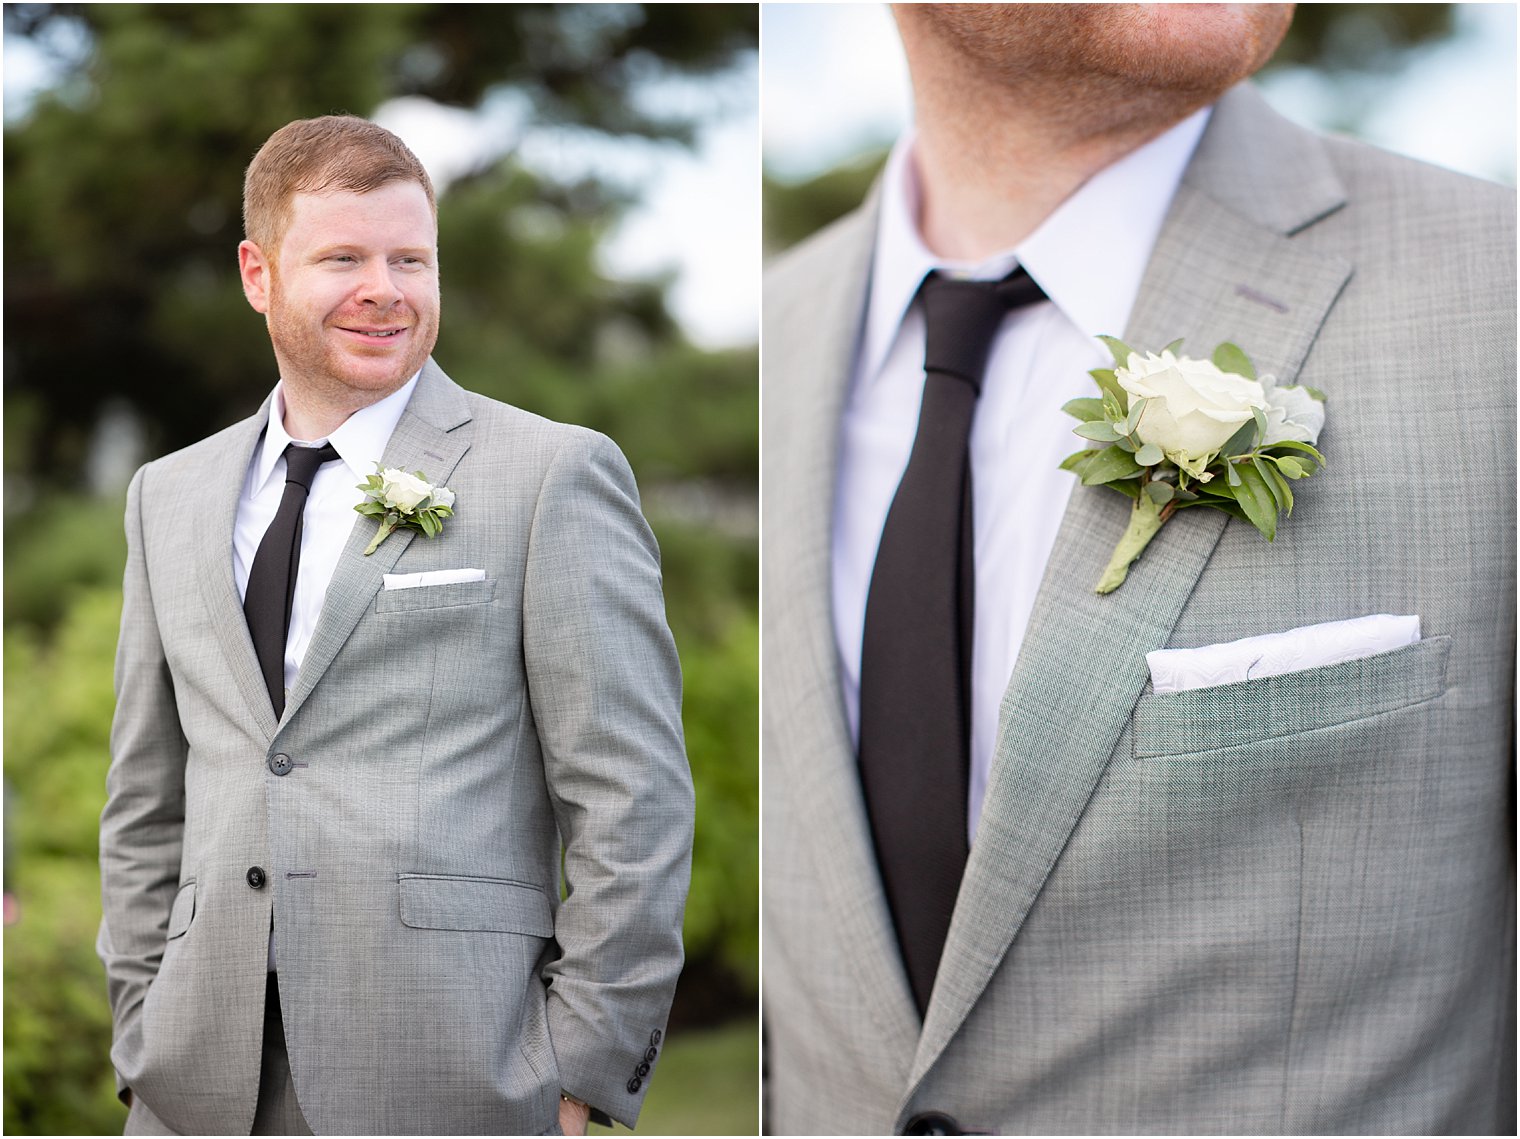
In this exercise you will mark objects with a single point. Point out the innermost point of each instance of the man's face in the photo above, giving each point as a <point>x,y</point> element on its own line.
<point>351,294</point>
<point>1196,48</point>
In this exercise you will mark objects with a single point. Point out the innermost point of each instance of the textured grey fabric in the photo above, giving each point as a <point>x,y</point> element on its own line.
<point>1280,906</point>
<point>444,742</point>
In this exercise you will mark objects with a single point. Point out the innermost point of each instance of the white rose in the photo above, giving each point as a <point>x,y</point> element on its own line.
<point>1292,413</point>
<point>403,490</point>
<point>1195,407</point>
<point>443,496</point>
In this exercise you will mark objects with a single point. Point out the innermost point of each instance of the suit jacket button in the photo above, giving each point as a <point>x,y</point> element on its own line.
<point>280,764</point>
<point>932,1123</point>
<point>655,1037</point>
<point>642,1069</point>
<point>634,1085</point>
<point>650,1053</point>
<point>256,877</point>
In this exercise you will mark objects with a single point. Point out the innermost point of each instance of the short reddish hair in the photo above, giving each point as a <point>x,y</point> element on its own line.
<point>313,156</point>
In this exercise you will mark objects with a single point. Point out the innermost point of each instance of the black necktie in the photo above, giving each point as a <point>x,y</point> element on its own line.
<point>272,578</point>
<point>915,669</point>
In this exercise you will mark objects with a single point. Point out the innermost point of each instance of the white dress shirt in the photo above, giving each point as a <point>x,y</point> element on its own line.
<point>360,442</point>
<point>1088,256</point>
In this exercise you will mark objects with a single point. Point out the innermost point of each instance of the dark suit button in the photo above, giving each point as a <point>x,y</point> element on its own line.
<point>280,764</point>
<point>642,1069</point>
<point>932,1123</point>
<point>650,1053</point>
<point>634,1085</point>
<point>655,1037</point>
<point>256,877</point>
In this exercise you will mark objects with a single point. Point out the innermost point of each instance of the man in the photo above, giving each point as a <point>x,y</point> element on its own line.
<point>1283,905</point>
<point>331,855</point>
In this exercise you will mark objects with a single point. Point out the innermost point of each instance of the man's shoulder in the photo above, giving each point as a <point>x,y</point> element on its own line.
<point>1379,178</point>
<point>197,459</point>
<point>841,247</point>
<point>522,442</point>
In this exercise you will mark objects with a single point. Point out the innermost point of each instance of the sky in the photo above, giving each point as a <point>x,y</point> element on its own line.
<point>1454,104</point>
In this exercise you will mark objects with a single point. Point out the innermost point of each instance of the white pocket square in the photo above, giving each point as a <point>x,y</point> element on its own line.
<point>1312,646</point>
<point>432,577</point>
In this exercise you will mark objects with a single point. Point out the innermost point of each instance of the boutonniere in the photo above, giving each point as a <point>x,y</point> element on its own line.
<point>402,501</point>
<point>1172,432</point>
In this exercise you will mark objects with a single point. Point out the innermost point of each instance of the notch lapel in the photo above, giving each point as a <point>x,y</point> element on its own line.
<point>818,765</point>
<point>1224,268</point>
<point>422,441</point>
<point>214,569</point>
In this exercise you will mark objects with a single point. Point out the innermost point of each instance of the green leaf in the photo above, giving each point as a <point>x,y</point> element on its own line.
<point>1076,458</point>
<point>1228,505</point>
<point>1174,347</point>
<point>1229,358</point>
<point>1257,501</point>
<point>1148,456</point>
<point>1127,443</point>
<point>1160,492</point>
<point>1132,420</point>
<point>1240,442</point>
<point>1314,393</point>
<point>1289,466</point>
<point>1086,409</point>
<point>1279,485</point>
<point>1108,384</point>
<point>1119,349</point>
<point>1260,417</point>
<point>1232,474</point>
<point>1108,465</point>
<point>1301,448</point>
<point>1101,431</point>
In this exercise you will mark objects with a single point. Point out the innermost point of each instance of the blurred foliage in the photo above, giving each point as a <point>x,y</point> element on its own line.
<point>705,1085</point>
<point>1348,39</point>
<point>122,214</point>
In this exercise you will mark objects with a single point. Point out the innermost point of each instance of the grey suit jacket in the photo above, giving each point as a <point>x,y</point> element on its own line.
<point>1279,906</point>
<point>444,742</point>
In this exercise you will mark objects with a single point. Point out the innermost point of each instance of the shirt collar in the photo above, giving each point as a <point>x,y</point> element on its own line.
<point>1088,256</point>
<point>359,440</point>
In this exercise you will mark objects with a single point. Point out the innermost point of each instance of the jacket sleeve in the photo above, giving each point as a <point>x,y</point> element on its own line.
<point>142,826</point>
<point>605,687</point>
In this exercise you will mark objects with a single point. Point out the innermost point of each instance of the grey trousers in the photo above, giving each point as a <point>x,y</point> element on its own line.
<point>278,1113</point>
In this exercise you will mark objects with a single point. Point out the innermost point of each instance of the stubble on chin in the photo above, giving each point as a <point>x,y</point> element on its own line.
<point>1098,68</point>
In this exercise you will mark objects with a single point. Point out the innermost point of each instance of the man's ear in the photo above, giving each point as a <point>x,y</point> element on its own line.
<point>257,273</point>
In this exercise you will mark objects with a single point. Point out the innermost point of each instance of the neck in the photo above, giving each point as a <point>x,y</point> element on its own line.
<point>309,417</point>
<point>994,161</point>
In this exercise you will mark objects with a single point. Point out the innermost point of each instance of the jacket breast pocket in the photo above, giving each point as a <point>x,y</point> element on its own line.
<point>493,905</point>
<point>435,596</point>
<point>1270,707</point>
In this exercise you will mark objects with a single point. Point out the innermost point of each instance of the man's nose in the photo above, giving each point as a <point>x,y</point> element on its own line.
<point>378,285</point>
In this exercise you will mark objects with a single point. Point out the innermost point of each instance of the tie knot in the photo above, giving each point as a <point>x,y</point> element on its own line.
<point>961,318</point>
<point>301,463</point>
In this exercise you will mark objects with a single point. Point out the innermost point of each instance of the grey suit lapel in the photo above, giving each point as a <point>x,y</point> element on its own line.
<point>214,566</point>
<point>1223,268</point>
<point>423,442</point>
<point>823,778</point>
